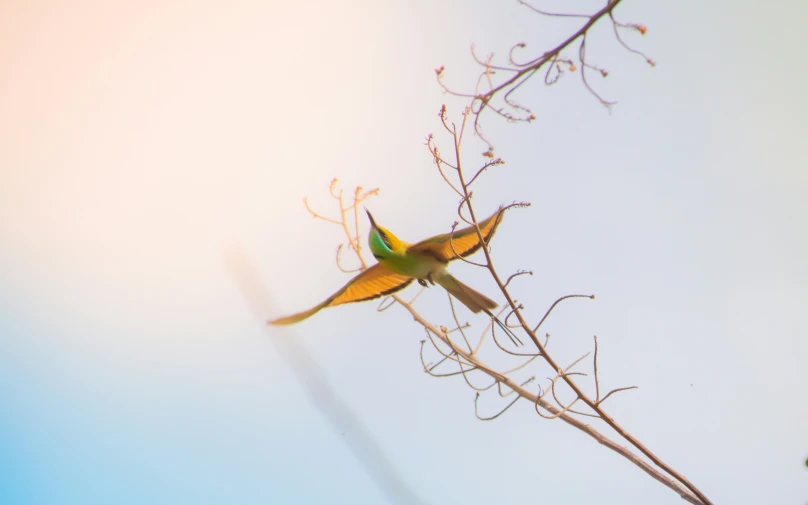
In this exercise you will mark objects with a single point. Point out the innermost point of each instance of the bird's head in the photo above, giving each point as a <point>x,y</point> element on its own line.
<point>382,243</point>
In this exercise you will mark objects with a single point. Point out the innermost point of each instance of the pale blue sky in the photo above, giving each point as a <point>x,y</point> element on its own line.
<point>140,145</point>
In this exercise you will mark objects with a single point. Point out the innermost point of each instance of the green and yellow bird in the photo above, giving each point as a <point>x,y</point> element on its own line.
<point>399,263</point>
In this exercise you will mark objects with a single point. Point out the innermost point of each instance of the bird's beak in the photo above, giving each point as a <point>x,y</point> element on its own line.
<point>372,222</point>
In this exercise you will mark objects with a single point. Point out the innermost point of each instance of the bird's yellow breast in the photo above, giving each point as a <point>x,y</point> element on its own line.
<point>419,266</point>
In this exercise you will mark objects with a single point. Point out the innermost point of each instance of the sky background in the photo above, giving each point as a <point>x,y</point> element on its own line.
<point>144,145</point>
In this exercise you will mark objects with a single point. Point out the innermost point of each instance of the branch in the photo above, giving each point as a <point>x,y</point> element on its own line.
<point>567,418</point>
<point>594,405</point>
<point>519,72</point>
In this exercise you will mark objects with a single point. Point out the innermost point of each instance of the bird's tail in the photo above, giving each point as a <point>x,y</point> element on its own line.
<point>474,300</point>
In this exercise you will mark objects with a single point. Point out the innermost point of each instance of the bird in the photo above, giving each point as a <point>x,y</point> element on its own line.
<point>399,263</point>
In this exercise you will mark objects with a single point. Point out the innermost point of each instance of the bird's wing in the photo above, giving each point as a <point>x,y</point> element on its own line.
<point>461,243</point>
<point>371,283</point>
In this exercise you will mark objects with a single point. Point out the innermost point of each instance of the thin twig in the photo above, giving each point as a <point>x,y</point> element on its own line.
<point>476,412</point>
<point>616,391</point>
<point>592,297</point>
<point>595,366</point>
<point>517,274</point>
<point>457,322</point>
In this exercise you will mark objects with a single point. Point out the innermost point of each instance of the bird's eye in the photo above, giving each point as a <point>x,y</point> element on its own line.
<point>385,240</point>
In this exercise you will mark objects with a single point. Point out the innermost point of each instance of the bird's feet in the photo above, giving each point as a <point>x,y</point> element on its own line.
<point>423,282</point>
